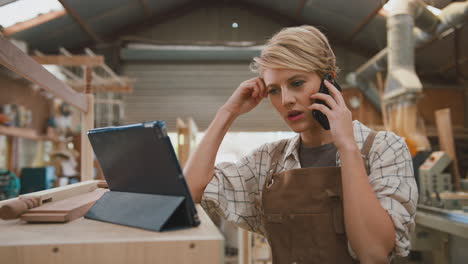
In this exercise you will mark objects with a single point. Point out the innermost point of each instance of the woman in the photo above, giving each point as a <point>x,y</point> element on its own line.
<point>313,196</point>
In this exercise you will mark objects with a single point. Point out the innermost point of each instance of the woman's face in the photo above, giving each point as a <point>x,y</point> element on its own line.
<point>289,91</point>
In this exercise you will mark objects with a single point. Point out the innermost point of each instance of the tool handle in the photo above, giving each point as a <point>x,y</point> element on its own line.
<point>16,208</point>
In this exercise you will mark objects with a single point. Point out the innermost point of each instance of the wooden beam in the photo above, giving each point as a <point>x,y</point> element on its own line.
<point>365,21</point>
<point>62,60</point>
<point>19,62</point>
<point>106,68</point>
<point>115,88</point>
<point>80,21</point>
<point>446,142</point>
<point>33,22</point>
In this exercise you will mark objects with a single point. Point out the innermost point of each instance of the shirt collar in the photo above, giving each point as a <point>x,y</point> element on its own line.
<point>293,144</point>
<point>292,147</point>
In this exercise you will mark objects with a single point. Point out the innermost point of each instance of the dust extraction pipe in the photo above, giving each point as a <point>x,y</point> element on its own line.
<point>401,76</point>
<point>429,26</point>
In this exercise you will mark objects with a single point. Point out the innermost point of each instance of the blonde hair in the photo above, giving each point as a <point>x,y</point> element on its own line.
<point>302,48</point>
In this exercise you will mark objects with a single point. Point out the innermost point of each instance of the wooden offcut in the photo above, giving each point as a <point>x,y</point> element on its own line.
<point>65,210</point>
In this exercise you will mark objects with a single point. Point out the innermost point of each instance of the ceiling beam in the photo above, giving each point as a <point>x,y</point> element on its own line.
<point>22,64</point>
<point>365,21</point>
<point>84,26</point>
<point>33,22</point>
<point>290,21</point>
<point>77,60</point>
<point>146,8</point>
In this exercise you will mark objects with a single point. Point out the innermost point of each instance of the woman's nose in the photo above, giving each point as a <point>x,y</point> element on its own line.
<point>287,97</point>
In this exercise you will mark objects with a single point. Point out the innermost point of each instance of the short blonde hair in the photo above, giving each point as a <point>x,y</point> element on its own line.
<point>302,48</point>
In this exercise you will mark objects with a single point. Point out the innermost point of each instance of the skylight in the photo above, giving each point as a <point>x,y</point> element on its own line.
<point>23,10</point>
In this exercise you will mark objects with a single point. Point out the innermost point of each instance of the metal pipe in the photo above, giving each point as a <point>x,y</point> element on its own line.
<point>453,15</point>
<point>401,75</point>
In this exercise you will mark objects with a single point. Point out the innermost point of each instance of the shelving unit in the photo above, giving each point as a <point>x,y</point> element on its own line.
<point>28,133</point>
<point>27,67</point>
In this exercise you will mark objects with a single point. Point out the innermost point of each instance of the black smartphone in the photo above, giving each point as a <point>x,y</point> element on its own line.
<point>319,116</point>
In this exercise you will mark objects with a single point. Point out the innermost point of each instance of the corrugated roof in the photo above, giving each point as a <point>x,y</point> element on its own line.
<point>341,20</point>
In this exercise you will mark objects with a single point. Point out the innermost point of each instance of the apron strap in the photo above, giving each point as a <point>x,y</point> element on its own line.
<point>368,143</point>
<point>366,149</point>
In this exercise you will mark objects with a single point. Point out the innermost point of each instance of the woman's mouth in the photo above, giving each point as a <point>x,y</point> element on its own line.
<point>295,115</point>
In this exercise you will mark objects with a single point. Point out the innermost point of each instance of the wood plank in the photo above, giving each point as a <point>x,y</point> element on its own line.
<point>59,193</point>
<point>87,156</point>
<point>19,62</point>
<point>444,129</point>
<point>22,132</point>
<point>102,88</point>
<point>76,60</point>
<point>33,22</point>
<point>65,205</point>
<point>64,210</point>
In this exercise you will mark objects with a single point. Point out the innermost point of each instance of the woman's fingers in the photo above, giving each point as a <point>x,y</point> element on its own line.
<point>263,89</point>
<point>325,97</point>
<point>335,93</point>
<point>259,89</point>
<point>322,108</point>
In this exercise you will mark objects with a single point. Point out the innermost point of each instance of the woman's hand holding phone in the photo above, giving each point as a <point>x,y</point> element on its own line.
<point>338,115</point>
<point>246,97</point>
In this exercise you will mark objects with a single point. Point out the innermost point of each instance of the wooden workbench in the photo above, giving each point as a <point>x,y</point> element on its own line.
<point>87,241</point>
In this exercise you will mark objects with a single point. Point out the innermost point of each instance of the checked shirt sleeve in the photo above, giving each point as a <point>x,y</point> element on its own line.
<point>392,178</point>
<point>234,191</point>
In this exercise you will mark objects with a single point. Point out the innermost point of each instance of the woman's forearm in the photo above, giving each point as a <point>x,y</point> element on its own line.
<point>368,226</point>
<point>199,169</point>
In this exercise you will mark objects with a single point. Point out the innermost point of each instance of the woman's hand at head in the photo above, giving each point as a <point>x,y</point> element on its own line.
<point>246,97</point>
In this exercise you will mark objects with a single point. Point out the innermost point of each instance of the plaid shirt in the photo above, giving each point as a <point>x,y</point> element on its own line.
<point>236,188</point>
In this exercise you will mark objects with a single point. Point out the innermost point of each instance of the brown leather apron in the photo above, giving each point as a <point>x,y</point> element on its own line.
<point>303,214</point>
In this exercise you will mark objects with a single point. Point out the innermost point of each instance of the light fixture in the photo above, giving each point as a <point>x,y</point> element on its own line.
<point>235,25</point>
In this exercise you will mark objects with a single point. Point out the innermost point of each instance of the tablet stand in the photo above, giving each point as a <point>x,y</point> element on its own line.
<point>147,211</point>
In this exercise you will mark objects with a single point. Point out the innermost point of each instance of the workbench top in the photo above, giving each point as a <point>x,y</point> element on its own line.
<point>89,241</point>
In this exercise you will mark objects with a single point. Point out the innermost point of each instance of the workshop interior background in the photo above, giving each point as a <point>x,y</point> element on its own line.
<point>180,60</point>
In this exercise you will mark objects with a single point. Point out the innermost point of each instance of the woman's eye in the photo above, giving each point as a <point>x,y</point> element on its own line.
<point>297,83</point>
<point>273,91</point>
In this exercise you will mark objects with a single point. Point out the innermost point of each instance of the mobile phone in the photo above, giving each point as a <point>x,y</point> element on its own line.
<point>319,116</point>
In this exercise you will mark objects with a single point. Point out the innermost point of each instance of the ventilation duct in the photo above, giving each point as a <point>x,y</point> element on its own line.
<point>428,27</point>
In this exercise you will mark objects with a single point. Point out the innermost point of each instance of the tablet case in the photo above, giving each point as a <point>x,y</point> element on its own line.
<point>147,186</point>
<point>147,211</point>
